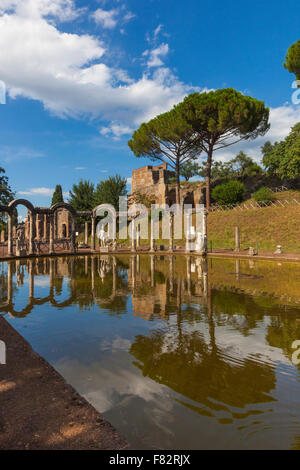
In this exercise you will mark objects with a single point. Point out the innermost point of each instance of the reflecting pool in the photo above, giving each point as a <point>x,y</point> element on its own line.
<point>174,351</point>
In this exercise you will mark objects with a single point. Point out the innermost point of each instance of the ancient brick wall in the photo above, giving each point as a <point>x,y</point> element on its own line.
<point>148,176</point>
<point>152,183</point>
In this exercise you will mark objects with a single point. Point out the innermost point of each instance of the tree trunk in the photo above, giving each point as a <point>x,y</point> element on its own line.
<point>177,184</point>
<point>207,179</point>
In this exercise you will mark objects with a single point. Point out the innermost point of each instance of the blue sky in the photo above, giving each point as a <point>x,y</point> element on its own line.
<point>82,75</point>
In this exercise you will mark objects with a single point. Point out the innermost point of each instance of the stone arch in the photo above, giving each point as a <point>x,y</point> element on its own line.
<point>63,205</point>
<point>12,206</point>
<point>64,303</point>
<point>72,231</point>
<point>23,202</point>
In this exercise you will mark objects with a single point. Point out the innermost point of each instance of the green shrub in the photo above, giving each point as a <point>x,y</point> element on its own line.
<point>263,194</point>
<point>254,170</point>
<point>229,193</point>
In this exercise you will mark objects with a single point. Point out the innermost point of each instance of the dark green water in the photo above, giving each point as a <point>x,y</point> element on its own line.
<point>175,353</point>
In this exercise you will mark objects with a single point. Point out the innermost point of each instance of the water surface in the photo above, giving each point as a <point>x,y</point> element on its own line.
<point>176,353</point>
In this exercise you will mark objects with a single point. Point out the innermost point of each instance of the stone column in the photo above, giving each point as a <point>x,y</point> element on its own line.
<point>138,237</point>
<point>152,239</point>
<point>51,234</point>
<point>133,244</point>
<point>171,244</point>
<point>202,248</point>
<point>45,227</point>
<point>237,239</point>
<point>10,235</point>
<point>73,236</point>
<point>205,213</point>
<point>86,232</point>
<point>31,233</point>
<point>2,236</point>
<point>93,247</point>
<point>138,264</point>
<point>188,232</point>
<point>37,226</point>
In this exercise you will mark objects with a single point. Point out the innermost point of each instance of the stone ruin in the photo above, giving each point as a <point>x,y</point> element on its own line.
<point>153,184</point>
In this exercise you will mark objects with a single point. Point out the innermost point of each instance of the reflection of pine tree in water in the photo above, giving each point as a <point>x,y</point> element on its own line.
<point>199,371</point>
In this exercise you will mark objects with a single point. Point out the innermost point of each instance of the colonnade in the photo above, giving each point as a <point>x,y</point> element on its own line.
<point>36,213</point>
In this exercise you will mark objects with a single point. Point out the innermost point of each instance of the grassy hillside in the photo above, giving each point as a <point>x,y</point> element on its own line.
<point>268,226</point>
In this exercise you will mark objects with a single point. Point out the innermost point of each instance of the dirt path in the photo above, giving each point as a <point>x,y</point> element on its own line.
<point>39,410</point>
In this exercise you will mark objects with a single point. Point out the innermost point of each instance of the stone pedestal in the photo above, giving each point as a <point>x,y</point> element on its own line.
<point>251,251</point>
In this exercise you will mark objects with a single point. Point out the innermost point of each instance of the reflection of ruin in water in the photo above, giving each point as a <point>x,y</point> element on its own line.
<point>194,301</point>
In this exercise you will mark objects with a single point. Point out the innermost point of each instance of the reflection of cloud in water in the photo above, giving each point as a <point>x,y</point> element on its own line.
<point>41,281</point>
<point>116,387</point>
<point>116,344</point>
<point>107,383</point>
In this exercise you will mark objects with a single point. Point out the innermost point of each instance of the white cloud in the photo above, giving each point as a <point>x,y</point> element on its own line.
<point>117,130</point>
<point>10,154</point>
<point>152,37</point>
<point>64,10</point>
<point>106,18</point>
<point>281,120</point>
<point>128,16</point>
<point>156,54</point>
<point>67,74</point>
<point>80,168</point>
<point>37,192</point>
<point>157,30</point>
